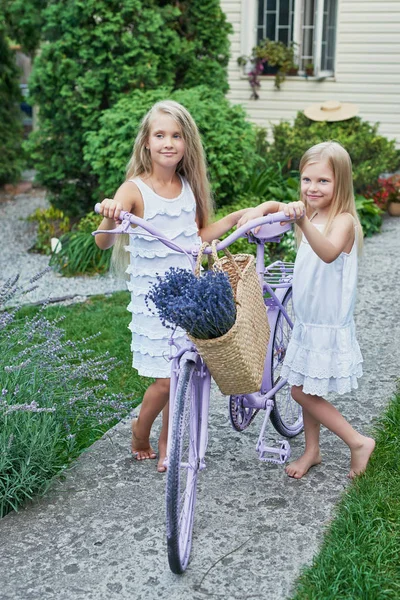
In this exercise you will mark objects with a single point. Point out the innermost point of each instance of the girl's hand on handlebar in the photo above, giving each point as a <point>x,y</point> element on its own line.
<point>110,209</point>
<point>294,210</point>
<point>249,215</point>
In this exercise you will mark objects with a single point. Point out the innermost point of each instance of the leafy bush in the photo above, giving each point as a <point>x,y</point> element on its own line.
<point>52,223</point>
<point>204,45</point>
<point>79,255</point>
<point>24,19</point>
<point>269,183</point>
<point>285,250</point>
<point>10,117</point>
<point>371,153</point>
<point>229,140</point>
<point>98,51</point>
<point>370,215</point>
<point>51,402</point>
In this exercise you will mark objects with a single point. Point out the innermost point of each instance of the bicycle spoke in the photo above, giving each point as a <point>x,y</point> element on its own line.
<point>286,415</point>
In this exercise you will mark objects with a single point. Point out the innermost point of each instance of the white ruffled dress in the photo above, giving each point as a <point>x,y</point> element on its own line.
<point>323,354</point>
<point>150,257</point>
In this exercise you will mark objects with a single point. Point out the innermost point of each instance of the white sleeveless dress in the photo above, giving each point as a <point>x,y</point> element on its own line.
<point>323,354</point>
<point>148,258</point>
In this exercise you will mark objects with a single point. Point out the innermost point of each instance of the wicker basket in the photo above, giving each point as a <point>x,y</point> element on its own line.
<point>236,359</point>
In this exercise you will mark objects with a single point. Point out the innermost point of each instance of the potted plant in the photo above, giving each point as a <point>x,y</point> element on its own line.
<point>309,69</point>
<point>274,54</point>
<point>393,205</point>
<point>387,194</point>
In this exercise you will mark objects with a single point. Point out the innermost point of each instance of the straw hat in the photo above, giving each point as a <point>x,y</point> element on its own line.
<point>331,110</point>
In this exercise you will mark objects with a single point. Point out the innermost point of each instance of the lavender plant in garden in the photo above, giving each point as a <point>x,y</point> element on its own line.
<point>49,401</point>
<point>203,306</point>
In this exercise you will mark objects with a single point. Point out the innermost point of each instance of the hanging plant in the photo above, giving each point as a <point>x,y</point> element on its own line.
<point>275,54</point>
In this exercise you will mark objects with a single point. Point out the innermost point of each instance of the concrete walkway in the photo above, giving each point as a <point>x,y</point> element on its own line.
<point>100,533</point>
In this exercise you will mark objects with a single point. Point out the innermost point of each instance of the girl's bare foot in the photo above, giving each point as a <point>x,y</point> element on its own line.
<point>298,468</point>
<point>141,448</point>
<point>162,453</point>
<point>360,457</point>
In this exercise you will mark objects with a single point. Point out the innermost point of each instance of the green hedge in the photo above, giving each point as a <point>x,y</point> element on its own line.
<point>10,115</point>
<point>229,139</point>
<point>371,153</point>
<point>98,51</point>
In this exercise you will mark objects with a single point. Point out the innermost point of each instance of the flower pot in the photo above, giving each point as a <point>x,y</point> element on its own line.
<point>394,209</point>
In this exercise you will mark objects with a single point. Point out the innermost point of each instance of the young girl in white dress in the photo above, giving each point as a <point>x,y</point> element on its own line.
<point>167,185</point>
<point>323,354</point>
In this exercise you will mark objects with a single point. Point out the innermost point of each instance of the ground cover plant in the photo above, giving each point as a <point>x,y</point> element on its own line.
<point>360,556</point>
<point>77,253</point>
<point>61,387</point>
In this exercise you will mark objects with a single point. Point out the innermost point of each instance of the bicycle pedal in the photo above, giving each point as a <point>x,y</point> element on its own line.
<point>282,452</point>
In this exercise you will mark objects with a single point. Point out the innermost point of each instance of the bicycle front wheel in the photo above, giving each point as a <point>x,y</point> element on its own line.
<point>183,467</point>
<point>286,416</point>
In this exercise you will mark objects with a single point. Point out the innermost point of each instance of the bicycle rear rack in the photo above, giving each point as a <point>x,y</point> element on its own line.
<point>281,453</point>
<point>279,273</point>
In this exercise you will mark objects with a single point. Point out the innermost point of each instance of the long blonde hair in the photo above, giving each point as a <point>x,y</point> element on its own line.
<point>192,166</point>
<point>343,201</point>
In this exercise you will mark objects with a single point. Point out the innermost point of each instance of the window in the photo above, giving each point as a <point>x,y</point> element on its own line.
<point>309,24</point>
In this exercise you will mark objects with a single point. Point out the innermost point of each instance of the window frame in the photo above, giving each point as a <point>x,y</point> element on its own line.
<point>249,21</point>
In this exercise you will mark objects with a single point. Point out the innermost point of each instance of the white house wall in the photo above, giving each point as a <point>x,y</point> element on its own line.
<point>367,68</point>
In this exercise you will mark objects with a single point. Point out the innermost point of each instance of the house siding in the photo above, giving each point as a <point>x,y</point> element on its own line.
<point>367,69</point>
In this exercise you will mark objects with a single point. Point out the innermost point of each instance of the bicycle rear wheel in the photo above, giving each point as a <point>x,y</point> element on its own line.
<point>286,416</point>
<point>183,467</point>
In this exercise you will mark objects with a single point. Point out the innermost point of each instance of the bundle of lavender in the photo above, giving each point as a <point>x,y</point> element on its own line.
<point>203,306</point>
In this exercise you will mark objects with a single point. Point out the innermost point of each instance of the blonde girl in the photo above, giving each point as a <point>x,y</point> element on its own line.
<point>167,185</point>
<point>323,354</point>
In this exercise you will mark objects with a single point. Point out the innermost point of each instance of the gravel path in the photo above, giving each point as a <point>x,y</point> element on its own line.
<point>100,533</point>
<point>18,235</point>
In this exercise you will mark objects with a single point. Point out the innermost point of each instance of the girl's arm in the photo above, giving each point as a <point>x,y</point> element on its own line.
<point>215,230</point>
<point>293,210</point>
<point>339,239</point>
<point>128,198</point>
<point>261,210</point>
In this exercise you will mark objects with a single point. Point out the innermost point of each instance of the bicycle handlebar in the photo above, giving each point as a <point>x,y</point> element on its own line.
<point>128,219</point>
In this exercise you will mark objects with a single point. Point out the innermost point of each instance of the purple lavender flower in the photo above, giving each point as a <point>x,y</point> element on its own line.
<point>203,306</point>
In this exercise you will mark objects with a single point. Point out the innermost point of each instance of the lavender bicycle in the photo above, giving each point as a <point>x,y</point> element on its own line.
<point>190,386</point>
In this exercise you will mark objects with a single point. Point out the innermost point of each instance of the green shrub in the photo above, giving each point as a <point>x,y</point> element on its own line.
<point>269,183</point>
<point>52,223</point>
<point>24,19</point>
<point>89,223</point>
<point>284,250</point>
<point>79,255</point>
<point>229,140</point>
<point>10,117</point>
<point>98,51</point>
<point>204,52</point>
<point>370,215</point>
<point>371,153</point>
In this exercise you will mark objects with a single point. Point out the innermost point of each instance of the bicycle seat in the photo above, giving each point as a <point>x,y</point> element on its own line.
<point>269,232</point>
